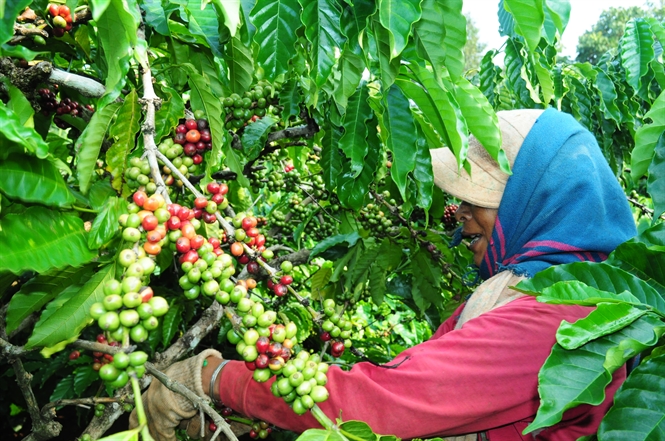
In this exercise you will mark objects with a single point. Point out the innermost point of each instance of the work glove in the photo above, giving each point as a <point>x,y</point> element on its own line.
<point>164,409</point>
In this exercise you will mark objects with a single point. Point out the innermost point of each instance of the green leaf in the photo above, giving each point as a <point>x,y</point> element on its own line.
<point>388,66</point>
<point>506,21</point>
<point>99,193</point>
<point>105,225</point>
<point>364,261</point>
<point>642,261</point>
<point>290,99</point>
<point>636,413</point>
<point>276,24</point>
<point>155,16</point>
<point>426,280</point>
<point>10,10</point>
<point>169,114</point>
<point>400,136</point>
<point>358,430</point>
<point>514,65</point>
<point>636,51</point>
<point>647,137</point>
<point>320,279</point>
<point>529,18</point>
<point>397,16</point>
<point>115,40</point>
<point>430,35</point>
<point>231,10</point>
<point>84,376</point>
<point>353,142</point>
<point>171,322</point>
<point>64,389</point>
<point>490,77</point>
<point>656,180</point>
<point>73,315</point>
<point>570,378</point>
<point>340,239</point>
<point>202,20</point>
<point>239,59</point>
<point>559,13</point>
<point>34,180</point>
<point>422,173</point>
<point>572,292</point>
<point>321,435</point>
<point>440,108</point>
<point>20,105</point>
<point>38,292</point>
<point>40,239</point>
<point>377,283</point>
<point>255,135</point>
<point>14,132</point>
<point>481,120</point>
<point>608,96</point>
<point>454,23</point>
<point>605,319</point>
<point>124,130</point>
<point>352,189</point>
<point>298,314</point>
<point>331,157</point>
<point>602,276</point>
<point>351,67</point>
<point>321,19</point>
<point>354,22</point>
<point>89,144</point>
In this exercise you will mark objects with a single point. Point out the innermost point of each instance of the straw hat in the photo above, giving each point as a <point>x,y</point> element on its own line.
<point>485,186</point>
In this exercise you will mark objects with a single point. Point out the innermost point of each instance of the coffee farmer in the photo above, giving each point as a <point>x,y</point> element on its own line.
<point>477,377</point>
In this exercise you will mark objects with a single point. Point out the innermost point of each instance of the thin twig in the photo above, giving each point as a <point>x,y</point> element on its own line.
<point>199,402</point>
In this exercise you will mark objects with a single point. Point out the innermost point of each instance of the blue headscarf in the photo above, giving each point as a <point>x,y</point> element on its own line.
<point>562,203</point>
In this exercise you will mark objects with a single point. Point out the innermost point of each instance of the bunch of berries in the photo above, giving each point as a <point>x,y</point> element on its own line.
<point>130,310</point>
<point>449,221</point>
<point>61,18</point>
<point>335,327</point>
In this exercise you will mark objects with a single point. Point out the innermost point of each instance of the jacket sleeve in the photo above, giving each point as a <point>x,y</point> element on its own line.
<point>481,376</point>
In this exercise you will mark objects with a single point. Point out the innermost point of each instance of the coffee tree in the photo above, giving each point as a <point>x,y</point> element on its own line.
<point>261,169</point>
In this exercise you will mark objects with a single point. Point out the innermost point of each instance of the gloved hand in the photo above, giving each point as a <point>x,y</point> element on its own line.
<point>166,409</point>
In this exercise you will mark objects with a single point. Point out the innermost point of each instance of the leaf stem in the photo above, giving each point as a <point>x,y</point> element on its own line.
<point>322,418</point>
<point>84,210</point>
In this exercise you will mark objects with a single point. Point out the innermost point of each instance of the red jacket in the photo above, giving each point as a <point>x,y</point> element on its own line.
<point>482,377</point>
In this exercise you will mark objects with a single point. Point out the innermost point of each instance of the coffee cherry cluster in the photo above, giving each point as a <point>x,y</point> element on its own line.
<point>146,222</point>
<point>49,104</point>
<point>449,221</point>
<point>374,220</point>
<point>318,226</point>
<point>116,373</point>
<point>247,232</point>
<point>241,110</point>
<point>206,269</point>
<point>137,175</point>
<point>100,358</point>
<point>185,164</point>
<point>194,137</point>
<point>205,208</point>
<point>61,18</point>
<point>260,430</point>
<point>264,346</point>
<point>301,382</point>
<point>285,279</point>
<point>336,328</point>
<point>129,309</point>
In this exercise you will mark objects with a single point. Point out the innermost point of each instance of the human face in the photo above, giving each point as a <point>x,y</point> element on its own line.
<point>478,224</point>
